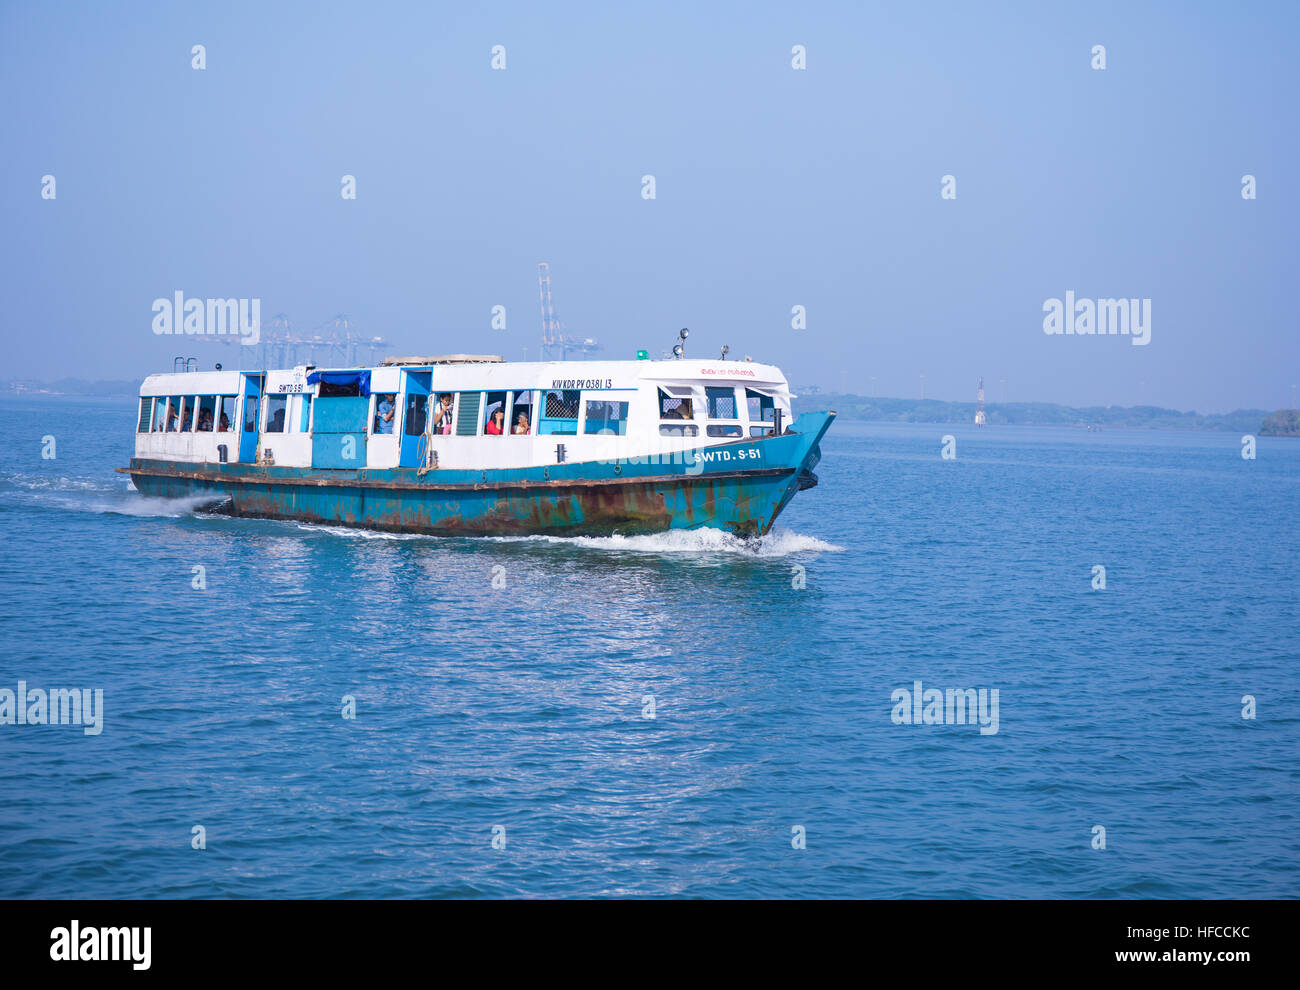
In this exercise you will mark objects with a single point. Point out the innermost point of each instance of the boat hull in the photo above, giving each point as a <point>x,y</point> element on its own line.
<point>738,487</point>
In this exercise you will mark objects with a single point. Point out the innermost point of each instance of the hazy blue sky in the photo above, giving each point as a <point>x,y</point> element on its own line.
<point>775,187</point>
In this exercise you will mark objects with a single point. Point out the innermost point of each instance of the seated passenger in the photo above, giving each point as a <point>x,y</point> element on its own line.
<point>224,425</point>
<point>205,421</point>
<point>521,424</point>
<point>384,415</point>
<point>496,424</point>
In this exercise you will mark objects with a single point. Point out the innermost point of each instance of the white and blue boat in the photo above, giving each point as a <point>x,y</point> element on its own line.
<point>468,444</point>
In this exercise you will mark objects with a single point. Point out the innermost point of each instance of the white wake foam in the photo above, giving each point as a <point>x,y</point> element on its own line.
<point>777,543</point>
<point>97,496</point>
<point>143,505</point>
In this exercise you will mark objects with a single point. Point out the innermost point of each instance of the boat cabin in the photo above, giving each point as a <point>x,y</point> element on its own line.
<point>456,411</point>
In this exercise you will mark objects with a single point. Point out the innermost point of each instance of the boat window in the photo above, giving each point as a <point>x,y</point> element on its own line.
<point>276,407</point>
<point>494,426</point>
<point>762,407</point>
<point>606,417</point>
<point>722,405</point>
<point>467,414</point>
<point>250,414</point>
<point>442,410</point>
<point>333,390</point>
<point>159,414</point>
<point>304,417</point>
<point>670,429</point>
<point>207,410</point>
<point>417,407</point>
<point>385,413</point>
<point>559,412</point>
<point>521,413</point>
<point>177,413</point>
<point>227,417</point>
<point>146,411</point>
<point>725,430</point>
<point>676,406</point>
<point>760,431</point>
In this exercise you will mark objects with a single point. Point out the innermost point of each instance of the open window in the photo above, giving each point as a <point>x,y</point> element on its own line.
<point>605,416</point>
<point>277,407</point>
<point>207,413</point>
<point>762,409</point>
<point>521,413</point>
<point>676,412</point>
<point>226,420</point>
<point>385,421</point>
<point>494,415</point>
<point>559,412</point>
<point>175,413</point>
<point>441,420</point>
<point>159,414</point>
<point>340,385</point>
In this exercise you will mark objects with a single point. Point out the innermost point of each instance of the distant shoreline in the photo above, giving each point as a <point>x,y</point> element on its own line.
<point>940,412</point>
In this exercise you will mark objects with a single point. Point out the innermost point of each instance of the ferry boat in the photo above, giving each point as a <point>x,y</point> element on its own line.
<point>472,445</point>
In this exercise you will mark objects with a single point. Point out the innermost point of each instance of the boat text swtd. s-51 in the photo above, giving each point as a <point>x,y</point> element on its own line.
<point>473,445</point>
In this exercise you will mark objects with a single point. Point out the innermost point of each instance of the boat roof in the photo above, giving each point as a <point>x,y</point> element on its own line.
<point>492,372</point>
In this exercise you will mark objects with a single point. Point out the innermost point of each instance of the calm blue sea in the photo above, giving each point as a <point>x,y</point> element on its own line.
<point>520,712</point>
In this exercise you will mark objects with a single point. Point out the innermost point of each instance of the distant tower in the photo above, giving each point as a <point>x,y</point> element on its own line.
<point>554,335</point>
<point>549,326</point>
<point>979,404</point>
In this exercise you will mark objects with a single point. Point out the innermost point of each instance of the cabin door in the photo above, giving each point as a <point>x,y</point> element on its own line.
<point>338,436</point>
<point>415,416</point>
<point>251,416</point>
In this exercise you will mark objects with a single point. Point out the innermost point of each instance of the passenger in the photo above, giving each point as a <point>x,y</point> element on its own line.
<point>521,425</point>
<point>496,424</point>
<point>384,412</point>
<point>173,418</point>
<point>205,420</point>
<point>224,425</point>
<point>684,410</point>
<point>442,419</point>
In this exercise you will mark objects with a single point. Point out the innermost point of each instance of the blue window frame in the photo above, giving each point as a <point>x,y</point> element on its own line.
<point>559,412</point>
<point>606,416</point>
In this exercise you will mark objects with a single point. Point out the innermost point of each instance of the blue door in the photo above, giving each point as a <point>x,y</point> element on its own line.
<point>252,414</point>
<point>338,436</point>
<point>415,417</point>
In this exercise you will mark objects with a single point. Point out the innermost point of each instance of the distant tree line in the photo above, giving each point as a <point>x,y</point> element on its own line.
<point>1283,423</point>
<point>1038,414</point>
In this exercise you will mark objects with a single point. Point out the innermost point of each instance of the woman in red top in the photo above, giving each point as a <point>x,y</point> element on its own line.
<point>496,425</point>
